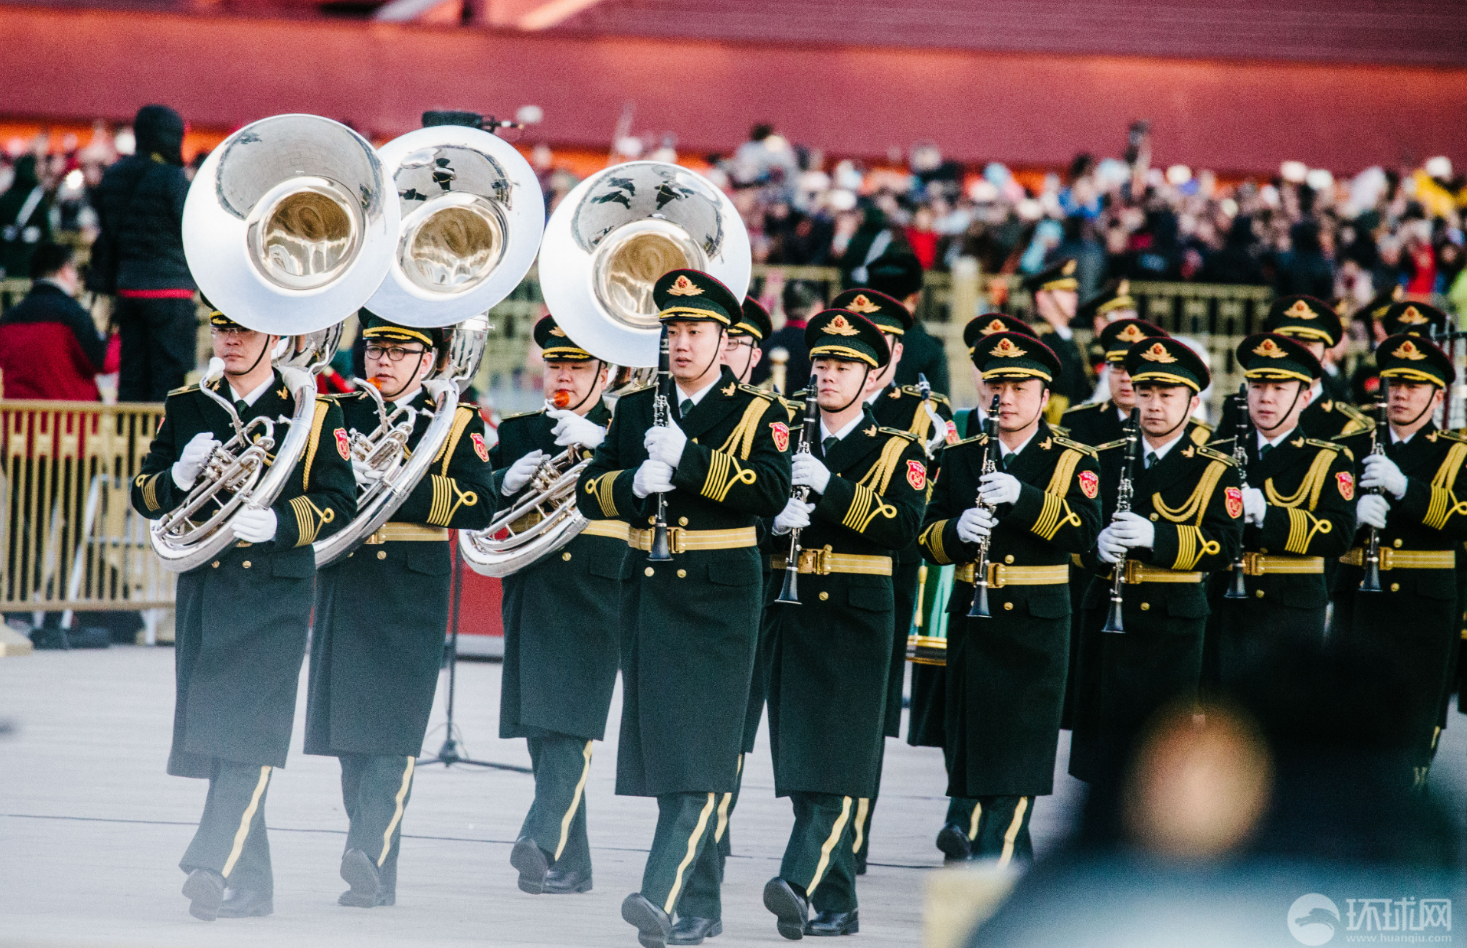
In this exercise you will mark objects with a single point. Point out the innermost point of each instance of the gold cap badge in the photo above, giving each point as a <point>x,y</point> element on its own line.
<point>1270,350</point>
<point>1300,310</point>
<point>840,326</point>
<point>557,331</point>
<point>1408,350</point>
<point>862,304</point>
<point>1006,350</point>
<point>1131,334</point>
<point>682,286</point>
<point>1412,316</point>
<point>993,327</point>
<point>1158,353</point>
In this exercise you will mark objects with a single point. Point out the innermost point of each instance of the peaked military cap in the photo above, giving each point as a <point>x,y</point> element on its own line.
<point>1416,319</point>
<point>378,329</point>
<point>1115,295</point>
<point>1275,357</point>
<point>1166,361</point>
<point>1117,338</point>
<point>888,314</point>
<point>990,323</point>
<point>898,275</point>
<point>1411,358</point>
<point>1304,317</point>
<point>1014,355</point>
<point>753,321</point>
<point>841,334</point>
<point>1057,276</point>
<point>556,346</point>
<point>692,295</point>
<point>1380,302</point>
<point>217,319</point>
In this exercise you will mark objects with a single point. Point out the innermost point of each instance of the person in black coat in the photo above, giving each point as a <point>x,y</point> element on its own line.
<point>139,256</point>
<point>899,275</point>
<point>1304,270</point>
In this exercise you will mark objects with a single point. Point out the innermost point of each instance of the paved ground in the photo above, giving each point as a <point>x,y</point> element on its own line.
<point>91,830</point>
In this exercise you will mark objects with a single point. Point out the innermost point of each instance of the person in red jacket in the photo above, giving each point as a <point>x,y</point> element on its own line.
<point>49,346</point>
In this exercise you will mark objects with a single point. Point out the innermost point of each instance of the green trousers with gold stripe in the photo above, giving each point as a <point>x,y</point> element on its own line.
<point>375,789</point>
<point>685,825</point>
<point>998,827</point>
<point>820,860</point>
<point>557,817</point>
<point>231,836</point>
<point>701,898</point>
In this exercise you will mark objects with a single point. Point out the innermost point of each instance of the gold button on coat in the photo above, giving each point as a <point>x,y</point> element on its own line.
<point>215,564</point>
<point>381,554</point>
<point>682,574</point>
<point>1008,607</point>
<point>245,564</point>
<point>648,571</point>
<point>565,556</point>
<point>1009,558</point>
<point>824,596</point>
<point>1145,607</point>
<point>1396,543</point>
<point>1258,593</point>
<point>1395,587</point>
<point>682,521</point>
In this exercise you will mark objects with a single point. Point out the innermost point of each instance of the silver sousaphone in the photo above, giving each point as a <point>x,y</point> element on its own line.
<point>287,229</point>
<point>605,246</point>
<point>471,220</point>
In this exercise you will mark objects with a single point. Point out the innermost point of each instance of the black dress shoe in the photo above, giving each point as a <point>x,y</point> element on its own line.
<point>954,843</point>
<point>653,925</point>
<point>566,882</point>
<point>362,875</point>
<point>205,890</point>
<point>834,923</point>
<point>691,930</point>
<point>789,907</point>
<point>245,903</point>
<point>532,863</point>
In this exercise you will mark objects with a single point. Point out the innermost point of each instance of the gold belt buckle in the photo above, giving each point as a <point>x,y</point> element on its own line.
<point>1387,556</point>
<point>1133,572</point>
<point>376,539</point>
<point>815,561</point>
<point>1252,564</point>
<point>675,539</point>
<point>996,579</point>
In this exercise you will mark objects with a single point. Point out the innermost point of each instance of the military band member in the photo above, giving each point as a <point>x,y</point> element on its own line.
<point>1298,513</point>
<point>1364,382</point>
<point>1185,521</point>
<point>1112,304</point>
<point>741,352</point>
<point>382,611</point>
<point>1056,300</point>
<point>1410,499</point>
<point>242,618</point>
<point>900,407</point>
<point>689,627</point>
<point>1006,672</point>
<point>830,656</point>
<point>560,622</point>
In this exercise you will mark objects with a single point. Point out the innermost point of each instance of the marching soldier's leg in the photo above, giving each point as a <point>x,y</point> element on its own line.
<point>700,913</point>
<point>685,823</point>
<point>552,853</point>
<point>1003,829</point>
<point>960,829</point>
<point>384,785</point>
<point>861,825</point>
<point>819,848</point>
<point>220,852</point>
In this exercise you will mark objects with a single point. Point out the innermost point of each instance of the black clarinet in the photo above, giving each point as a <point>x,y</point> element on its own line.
<point>979,609</point>
<point>789,593</point>
<point>661,412</point>
<point>1113,620</point>
<point>1237,589</point>
<point>1370,582</point>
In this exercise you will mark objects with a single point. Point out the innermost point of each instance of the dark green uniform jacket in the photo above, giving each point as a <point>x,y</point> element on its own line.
<point>1414,617</point>
<point>242,619</point>
<point>900,408</point>
<point>560,612</point>
<point>1006,673</point>
<point>1194,498</point>
<point>1310,489</point>
<point>382,611</point>
<point>830,656</point>
<point>689,628</point>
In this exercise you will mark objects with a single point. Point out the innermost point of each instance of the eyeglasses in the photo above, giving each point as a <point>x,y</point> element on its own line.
<point>742,342</point>
<point>235,331</point>
<point>394,353</point>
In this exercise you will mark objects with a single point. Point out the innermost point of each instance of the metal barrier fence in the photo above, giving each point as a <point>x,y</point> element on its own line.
<point>71,541</point>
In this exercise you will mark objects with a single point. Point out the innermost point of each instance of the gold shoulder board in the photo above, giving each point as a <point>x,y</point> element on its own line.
<point>184,389</point>
<point>761,392</point>
<point>1075,445</point>
<point>522,414</point>
<point>900,434</point>
<point>1108,445</point>
<point>1206,452</point>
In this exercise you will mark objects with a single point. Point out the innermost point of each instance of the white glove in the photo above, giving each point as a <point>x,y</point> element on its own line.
<point>809,472</point>
<point>794,516</point>
<point>254,524</point>
<point>665,443</point>
<point>520,472</point>
<point>571,428</point>
<point>653,477</point>
<point>366,474</point>
<point>1372,511</point>
<point>997,488</point>
<point>975,524</point>
<point>190,465</point>
<point>1254,506</point>
<point>1133,531</point>
<point>1381,471</point>
<point>1110,549</point>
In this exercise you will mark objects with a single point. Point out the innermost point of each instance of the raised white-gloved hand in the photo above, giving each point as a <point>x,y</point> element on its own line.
<point>1110,549</point>
<point>1381,471</point>
<point>1133,531</point>
<point>571,428</point>
<point>366,474</point>
<point>996,488</point>
<point>975,524</point>
<point>1254,505</point>
<point>794,516</point>
<point>809,472</point>
<point>520,472</point>
<point>190,464</point>
<point>653,477</point>
<point>1372,511</point>
<point>665,443</point>
<point>254,524</point>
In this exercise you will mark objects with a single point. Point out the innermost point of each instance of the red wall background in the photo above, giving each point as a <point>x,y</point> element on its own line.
<point>1026,108</point>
